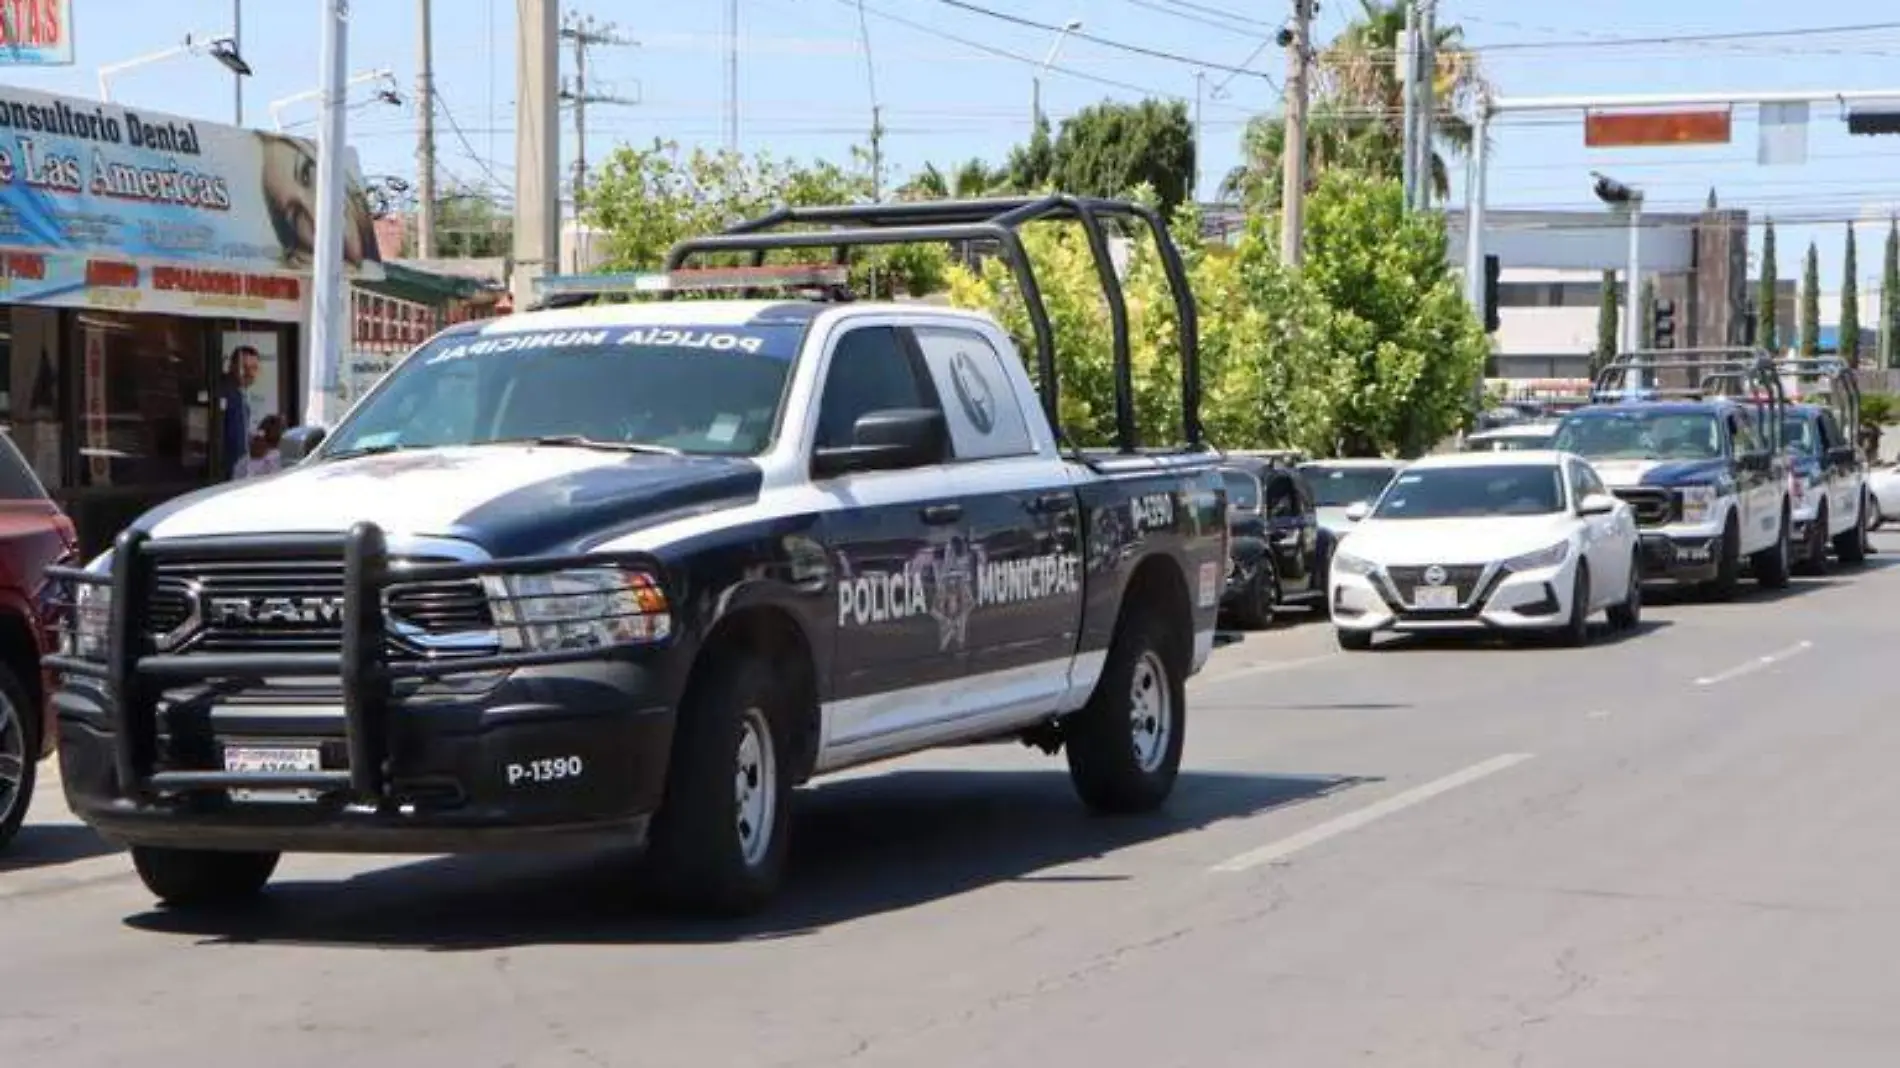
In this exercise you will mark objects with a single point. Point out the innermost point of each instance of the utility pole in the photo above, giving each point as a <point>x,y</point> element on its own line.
<point>425,133</point>
<point>1200,88</point>
<point>1427,75</point>
<point>237,45</point>
<point>537,146</point>
<point>732,75</point>
<point>584,32</point>
<point>329,327</point>
<point>1408,96</point>
<point>1293,196</point>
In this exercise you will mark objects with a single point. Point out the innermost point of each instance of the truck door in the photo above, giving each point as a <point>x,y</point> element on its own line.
<point>1757,490</point>
<point>1840,462</point>
<point>1022,521</point>
<point>1288,532</point>
<point>892,536</point>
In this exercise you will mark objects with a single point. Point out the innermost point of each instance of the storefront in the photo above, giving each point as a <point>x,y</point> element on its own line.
<point>154,288</point>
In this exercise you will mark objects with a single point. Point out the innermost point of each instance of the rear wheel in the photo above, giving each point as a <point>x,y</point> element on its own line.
<point>199,878</point>
<point>1260,603</point>
<point>1875,518</point>
<point>1124,746</point>
<point>1772,565</point>
<point>1629,614</point>
<point>19,755</point>
<point>1851,544</point>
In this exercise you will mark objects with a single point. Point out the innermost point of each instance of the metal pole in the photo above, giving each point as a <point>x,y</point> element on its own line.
<point>1408,95</point>
<point>329,327</point>
<point>1474,209</point>
<point>1427,74</point>
<point>237,45</point>
<point>1632,330</point>
<point>537,146</point>
<point>580,131</point>
<point>1293,196</point>
<point>732,76</point>
<point>1200,80</point>
<point>1035,102</point>
<point>425,134</point>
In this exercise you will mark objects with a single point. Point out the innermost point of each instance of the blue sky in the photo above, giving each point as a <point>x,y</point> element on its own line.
<point>804,89</point>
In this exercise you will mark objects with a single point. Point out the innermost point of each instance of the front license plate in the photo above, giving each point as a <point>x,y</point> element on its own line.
<point>272,760</point>
<point>1435,596</point>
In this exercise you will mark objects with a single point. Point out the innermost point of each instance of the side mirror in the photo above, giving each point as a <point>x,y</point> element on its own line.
<point>1596,504</point>
<point>299,442</point>
<point>889,440</point>
<point>1357,510</point>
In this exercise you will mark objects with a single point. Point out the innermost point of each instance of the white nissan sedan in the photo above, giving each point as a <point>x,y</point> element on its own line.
<point>1499,541</point>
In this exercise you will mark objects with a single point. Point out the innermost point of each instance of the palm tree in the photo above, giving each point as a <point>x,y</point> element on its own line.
<point>1356,115</point>
<point>973,179</point>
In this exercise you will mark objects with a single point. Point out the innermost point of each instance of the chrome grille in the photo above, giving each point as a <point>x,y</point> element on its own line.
<point>1653,506</point>
<point>1462,577</point>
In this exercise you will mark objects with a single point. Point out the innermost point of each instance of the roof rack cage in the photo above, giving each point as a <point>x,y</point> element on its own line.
<point>1842,387</point>
<point>1740,372</point>
<point>998,221</point>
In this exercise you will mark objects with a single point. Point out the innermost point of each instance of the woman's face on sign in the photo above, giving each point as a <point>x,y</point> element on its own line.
<point>290,189</point>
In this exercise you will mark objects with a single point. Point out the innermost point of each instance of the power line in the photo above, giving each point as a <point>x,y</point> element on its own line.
<point>1154,53</point>
<point>467,148</point>
<point>1695,38</point>
<point>1222,13</point>
<point>1189,16</point>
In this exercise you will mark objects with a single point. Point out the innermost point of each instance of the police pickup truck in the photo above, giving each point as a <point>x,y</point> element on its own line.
<point>629,572</point>
<point>1828,473</point>
<point>1692,440</point>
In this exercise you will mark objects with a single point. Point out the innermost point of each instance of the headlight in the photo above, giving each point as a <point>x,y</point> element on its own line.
<point>1549,556</point>
<point>92,613</point>
<point>1348,564</point>
<point>1698,503</point>
<point>583,608</point>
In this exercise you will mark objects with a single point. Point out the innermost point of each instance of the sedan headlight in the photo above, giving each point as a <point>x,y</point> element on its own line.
<point>1348,564</point>
<point>582,608</point>
<point>1698,503</point>
<point>1549,556</point>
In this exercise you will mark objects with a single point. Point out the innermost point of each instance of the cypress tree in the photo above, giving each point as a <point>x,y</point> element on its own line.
<point>1606,324</point>
<point>1890,298</point>
<point>1811,303</point>
<point>1850,304</point>
<point>1646,326</point>
<point>1765,332</point>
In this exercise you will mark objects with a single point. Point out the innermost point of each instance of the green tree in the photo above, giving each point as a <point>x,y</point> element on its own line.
<point>1111,148</point>
<point>1767,306</point>
<point>1646,319</point>
<point>1811,303</point>
<point>1607,343</point>
<point>1032,163</point>
<point>1409,348</point>
<point>973,179</point>
<point>1850,305</point>
<point>1890,298</point>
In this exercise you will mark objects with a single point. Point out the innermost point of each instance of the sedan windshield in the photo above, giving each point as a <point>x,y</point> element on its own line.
<point>1465,492</point>
<point>694,389</point>
<point>1337,487</point>
<point>1639,435</point>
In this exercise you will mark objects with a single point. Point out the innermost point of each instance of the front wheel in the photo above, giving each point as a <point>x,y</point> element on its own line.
<point>1576,630</point>
<point>1814,553</point>
<point>1851,544</point>
<point>19,755</point>
<point>1772,565</point>
<point>1728,567</point>
<point>1260,602</point>
<point>200,878</point>
<point>1124,746</point>
<point>1629,614</point>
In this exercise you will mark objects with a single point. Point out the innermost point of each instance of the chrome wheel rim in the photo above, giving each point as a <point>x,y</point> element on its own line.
<point>755,781</point>
<point>1150,711</point>
<point>13,758</point>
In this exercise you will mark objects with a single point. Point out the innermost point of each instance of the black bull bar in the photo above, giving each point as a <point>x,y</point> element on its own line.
<point>133,675</point>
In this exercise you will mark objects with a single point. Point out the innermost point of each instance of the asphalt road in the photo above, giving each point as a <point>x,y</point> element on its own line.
<point>1671,848</point>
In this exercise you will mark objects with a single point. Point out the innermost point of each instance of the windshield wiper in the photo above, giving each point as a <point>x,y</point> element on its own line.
<point>577,441</point>
<point>366,450</point>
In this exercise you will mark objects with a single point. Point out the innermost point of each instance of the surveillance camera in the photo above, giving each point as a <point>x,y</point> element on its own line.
<point>1611,191</point>
<point>1284,37</point>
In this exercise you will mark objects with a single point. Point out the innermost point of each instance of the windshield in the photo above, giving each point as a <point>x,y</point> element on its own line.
<point>1461,492</point>
<point>1242,491</point>
<point>698,389</point>
<point>1641,435</point>
<point>1799,435</point>
<point>1338,487</point>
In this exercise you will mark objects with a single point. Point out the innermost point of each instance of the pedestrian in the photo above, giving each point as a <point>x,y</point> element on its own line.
<point>240,373</point>
<point>262,457</point>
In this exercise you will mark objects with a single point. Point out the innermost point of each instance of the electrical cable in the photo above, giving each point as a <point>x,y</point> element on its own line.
<point>1140,50</point>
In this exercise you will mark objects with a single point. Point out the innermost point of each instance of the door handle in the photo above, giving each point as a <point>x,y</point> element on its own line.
<point>939,514</point>
<point>1050,502</point>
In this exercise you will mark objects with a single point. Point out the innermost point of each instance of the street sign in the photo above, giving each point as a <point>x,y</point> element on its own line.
<point>37,34</point>
<point>1612,129</point>
<point>1873,119</point>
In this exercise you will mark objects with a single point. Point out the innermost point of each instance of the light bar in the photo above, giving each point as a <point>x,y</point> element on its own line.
<point>692,279</point>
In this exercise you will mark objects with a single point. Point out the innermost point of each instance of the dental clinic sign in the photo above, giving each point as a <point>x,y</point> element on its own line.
<point>36,33</point>
<point>81,180</point>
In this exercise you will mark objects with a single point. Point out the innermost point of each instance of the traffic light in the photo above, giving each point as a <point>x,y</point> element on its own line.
<point>1663,326</point>
<point>1493,267</point>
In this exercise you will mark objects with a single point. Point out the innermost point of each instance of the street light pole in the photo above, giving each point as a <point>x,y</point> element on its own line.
<point>1632,330</point>
<point>1035,82</point>
<point>237,45</point>
<point>329,330</point>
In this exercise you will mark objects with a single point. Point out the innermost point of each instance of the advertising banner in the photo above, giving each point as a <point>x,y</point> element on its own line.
<point>36,33</point>
<point>80,176</point>
<point>115,283</point>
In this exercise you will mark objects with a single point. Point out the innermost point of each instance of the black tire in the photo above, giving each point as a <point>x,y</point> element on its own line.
<point>1851,544</point>
<point>19,755</point>
<point>1353,641</point>
<point>1124,746</point>
<point>719,842</point>
<point>1259,606</point>
<point>1728,566</point>
<point>1773,566</point>
<point>1814,555</point>
<point>1576,630</point>
<point>1875,520</point>
<point>202,878</point>
<point>1629,614</point>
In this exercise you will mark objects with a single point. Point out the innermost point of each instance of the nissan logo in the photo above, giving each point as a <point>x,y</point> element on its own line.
<point>1434,576</point>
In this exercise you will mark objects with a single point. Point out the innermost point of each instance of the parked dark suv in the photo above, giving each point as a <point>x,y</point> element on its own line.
<point>1277,552</point>
<point>34,535</point>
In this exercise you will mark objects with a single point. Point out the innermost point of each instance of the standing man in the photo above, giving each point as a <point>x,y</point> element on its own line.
<point>239,373</point>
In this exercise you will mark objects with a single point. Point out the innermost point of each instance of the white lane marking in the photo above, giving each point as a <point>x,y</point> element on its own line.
<point>1269,667</point>
<point>1601,713</point>
<point>1352,821</point>
<point>1756,664</point>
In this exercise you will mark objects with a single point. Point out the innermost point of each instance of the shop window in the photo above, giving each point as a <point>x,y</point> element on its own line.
<point>31,389</point>
<point>145,412</point>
